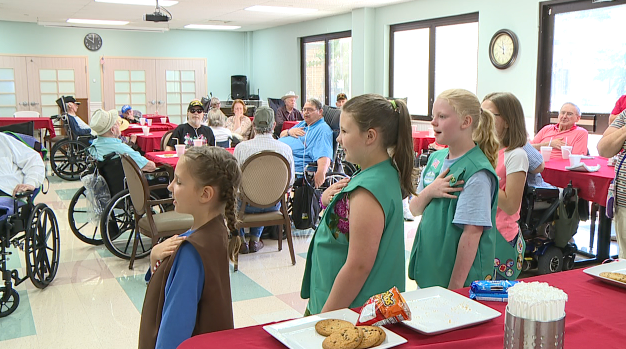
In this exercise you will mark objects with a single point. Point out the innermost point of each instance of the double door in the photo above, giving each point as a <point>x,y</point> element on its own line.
<point>34,83</point>
<point>154,86</point>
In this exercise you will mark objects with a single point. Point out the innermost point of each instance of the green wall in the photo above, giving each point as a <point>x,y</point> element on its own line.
<point>225,51</point>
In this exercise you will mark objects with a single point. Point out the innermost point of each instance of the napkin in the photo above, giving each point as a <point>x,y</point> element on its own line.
<point>582,167</point>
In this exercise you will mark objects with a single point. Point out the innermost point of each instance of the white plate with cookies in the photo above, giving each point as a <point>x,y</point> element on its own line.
<point>613,273</point>
<point>340,334</point>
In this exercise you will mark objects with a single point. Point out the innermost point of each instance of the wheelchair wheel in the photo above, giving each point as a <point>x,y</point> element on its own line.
<point>117,227</point>
<point>68,159</point>
<point>551,261</point>
<point>9,300</point>
<point>42,246</point>
<point>85,230</point>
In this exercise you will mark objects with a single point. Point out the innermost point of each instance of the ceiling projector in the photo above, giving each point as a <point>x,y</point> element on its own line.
<point>156,17</point>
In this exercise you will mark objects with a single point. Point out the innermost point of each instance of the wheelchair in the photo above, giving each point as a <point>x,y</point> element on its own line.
<point>67,156</point>
<point>115,227</point>
<point>548,222</point>
<point>32,228</point>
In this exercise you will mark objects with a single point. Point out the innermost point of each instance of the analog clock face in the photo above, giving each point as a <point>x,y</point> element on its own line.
<point>503,49</point>
<point>93,42</point>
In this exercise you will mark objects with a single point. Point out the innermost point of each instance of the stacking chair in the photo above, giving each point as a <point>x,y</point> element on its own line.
<point>153,225</point>
<point>265,182</point>
<point>26,114</point>
<point>166,138</point>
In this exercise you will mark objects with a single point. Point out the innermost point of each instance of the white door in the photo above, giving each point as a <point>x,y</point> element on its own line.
<point>129,81</point>
<point>13,85</point>
<point>51,77</point>
<point>178,82</point>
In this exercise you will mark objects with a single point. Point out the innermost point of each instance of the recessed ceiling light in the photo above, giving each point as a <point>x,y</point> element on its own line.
<point>277,9</point>
<point>212,27</point>
<point>141,2</point>
<point>96,21</point>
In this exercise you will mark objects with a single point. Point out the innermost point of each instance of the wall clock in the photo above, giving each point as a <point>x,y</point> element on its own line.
<point>93,41</point>
<point>503,48</point>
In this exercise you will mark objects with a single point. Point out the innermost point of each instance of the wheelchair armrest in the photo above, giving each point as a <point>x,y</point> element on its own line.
<point>24,194</point>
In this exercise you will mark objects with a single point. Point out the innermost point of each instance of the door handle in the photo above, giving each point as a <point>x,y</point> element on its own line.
<point>160,102</point>
<point>152,102</point>
<point>33,103</point>
<point>24,104</point>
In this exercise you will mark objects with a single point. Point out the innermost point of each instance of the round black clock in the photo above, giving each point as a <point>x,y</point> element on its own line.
<point>93,41</point>
<point>503,48</point>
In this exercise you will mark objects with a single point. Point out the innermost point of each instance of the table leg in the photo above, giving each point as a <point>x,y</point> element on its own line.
<point>604,235</point>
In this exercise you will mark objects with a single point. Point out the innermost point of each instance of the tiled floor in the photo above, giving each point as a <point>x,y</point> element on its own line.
<point>95,300</point>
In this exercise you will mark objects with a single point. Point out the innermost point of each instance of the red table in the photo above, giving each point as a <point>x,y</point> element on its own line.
<point>166,158</point>
<point>156,117</point>
<point>289,124</point>
<point>595,318</point>
<point>151,142</point>
<point>592,186</point>
<point>39,123</point>
<point>156,127</point>
<point>421,140</point>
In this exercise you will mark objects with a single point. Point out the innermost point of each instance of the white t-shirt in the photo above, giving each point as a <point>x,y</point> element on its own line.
<point>515,160</point>
<point>221,133</point>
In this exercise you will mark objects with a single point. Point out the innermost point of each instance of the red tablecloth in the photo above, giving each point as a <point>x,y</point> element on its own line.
<point>156,117</point>
<point>593,186</point>
<point>39,123</point>
<point>151,142</point>
<point>159,159</point>
<point>156,127</point>
<point>289,124</point>
<point>421,140</point>
<point>595,318</point>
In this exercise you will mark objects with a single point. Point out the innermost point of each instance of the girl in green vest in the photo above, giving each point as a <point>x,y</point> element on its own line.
<point>511,171</point>
<point>358,248</point>
<point>454,244</point>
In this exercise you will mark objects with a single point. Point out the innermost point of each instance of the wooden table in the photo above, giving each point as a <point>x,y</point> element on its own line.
<point>592,186</point>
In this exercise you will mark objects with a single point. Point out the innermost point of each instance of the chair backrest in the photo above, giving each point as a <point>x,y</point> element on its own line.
<point>137,184</point>
<point>26,114</point>
<point>25,128</point>
<point>265,178</point>
<point>224,144</point>
<point>166,138</point>
<point>113,173</point>
<point>275,103</point>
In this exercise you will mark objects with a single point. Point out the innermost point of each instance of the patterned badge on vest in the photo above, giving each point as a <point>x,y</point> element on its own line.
<point>429,177</point>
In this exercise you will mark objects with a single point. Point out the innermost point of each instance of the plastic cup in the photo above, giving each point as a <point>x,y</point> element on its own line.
<point>180,149</point>
<point>142,121</point>
<point>566,151</point>
<point>546,152</point>
<point>163,120</point>
<point>574,160</point>
<point>149,121</point>
<point>431,132</point>
<point>198,143</point>
<point>146,130</point>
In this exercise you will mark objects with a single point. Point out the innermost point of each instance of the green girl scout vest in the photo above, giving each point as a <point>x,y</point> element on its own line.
<point>435,246</point>
<point>328,250</point>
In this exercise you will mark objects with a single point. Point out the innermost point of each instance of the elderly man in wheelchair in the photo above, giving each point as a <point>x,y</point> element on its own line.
<point>22,173</point>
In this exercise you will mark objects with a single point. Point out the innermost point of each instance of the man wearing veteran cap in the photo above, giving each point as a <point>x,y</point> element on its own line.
<point>263,125</point>
<point>192,129</point>
<point>107,125</point>
<point>69,105</point>
<point>288,112</point>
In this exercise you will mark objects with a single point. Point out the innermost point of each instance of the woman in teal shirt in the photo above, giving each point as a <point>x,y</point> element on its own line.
<point>358,248</point>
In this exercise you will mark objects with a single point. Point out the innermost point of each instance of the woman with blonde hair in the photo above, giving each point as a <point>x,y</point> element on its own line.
<point>457,196</point>
<point>239,124</point>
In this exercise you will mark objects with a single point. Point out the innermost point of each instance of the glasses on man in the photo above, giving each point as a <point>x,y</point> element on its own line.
<point>309,110</point>
<point>196,111</point>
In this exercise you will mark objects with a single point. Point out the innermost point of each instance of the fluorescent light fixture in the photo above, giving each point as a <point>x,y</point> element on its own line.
<point>96,21</point>
<point>96,26</point>
<point>165,3</point>
<point>278,9</point>
<point>212,27</point>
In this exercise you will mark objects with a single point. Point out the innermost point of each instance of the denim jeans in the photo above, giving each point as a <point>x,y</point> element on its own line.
<point>257,231</point>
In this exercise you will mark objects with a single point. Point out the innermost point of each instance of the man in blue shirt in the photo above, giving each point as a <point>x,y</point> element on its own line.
<point>311,140</point>
<point>106,125</point>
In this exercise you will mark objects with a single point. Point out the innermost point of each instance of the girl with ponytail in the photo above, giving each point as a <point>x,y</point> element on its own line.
<point>457,197</point>
<point>189,289</point>
<point>357,248</point>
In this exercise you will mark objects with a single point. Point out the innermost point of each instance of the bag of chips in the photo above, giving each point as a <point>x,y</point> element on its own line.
<point>383,309</point>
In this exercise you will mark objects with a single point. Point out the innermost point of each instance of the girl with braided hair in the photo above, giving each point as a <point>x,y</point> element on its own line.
<point>189,289</point>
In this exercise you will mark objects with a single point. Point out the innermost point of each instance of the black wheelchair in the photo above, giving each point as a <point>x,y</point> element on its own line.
<point>32,228</point>
<point>67,156</point>
<point>115,225</point>
<point>548,220</point>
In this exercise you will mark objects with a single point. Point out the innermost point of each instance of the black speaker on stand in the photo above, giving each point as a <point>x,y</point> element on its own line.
<point>239,87</point>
